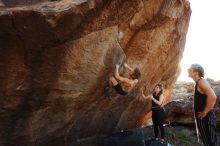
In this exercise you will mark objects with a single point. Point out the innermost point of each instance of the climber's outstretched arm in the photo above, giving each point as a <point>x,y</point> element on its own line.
<point>128,67</point>
<point>117,76</point>
<point>145,96</point>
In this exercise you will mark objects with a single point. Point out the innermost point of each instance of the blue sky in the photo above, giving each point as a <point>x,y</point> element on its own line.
<point>203,39</point>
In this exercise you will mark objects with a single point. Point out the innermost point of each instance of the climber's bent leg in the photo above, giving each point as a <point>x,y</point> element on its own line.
<point>112,81</point>
<point>108,87</point>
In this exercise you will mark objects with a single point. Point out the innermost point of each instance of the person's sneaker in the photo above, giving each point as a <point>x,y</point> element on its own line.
<point>109,96</point>
<point>153,138</point>
<point>106,89</point>
<point>107,92</point>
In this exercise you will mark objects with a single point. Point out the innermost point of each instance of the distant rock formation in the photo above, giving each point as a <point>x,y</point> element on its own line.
<point>180,108</point>
<point>55,56</point>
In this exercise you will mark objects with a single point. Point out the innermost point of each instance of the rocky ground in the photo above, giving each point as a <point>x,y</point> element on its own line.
<point>177,136</point>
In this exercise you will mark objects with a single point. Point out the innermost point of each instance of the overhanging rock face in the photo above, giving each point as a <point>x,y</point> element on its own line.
<point>55,56</point>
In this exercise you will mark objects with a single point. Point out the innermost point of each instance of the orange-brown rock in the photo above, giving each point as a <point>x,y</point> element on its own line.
<point>54,56</point>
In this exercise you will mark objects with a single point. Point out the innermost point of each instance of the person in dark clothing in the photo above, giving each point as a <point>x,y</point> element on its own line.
<point>158,112</point>
<point>204,101</point>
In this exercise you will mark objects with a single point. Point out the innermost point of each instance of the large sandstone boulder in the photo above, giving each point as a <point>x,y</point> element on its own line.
<point>180,112</point>
<point>55,55</point>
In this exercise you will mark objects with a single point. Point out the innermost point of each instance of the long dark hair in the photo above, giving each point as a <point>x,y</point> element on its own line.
<point>161,89</point>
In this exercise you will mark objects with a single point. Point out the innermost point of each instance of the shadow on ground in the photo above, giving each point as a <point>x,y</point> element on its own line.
<point>177,136</point>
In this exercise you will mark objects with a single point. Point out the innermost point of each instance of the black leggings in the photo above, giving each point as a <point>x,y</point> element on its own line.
<point>206,127</point>
<point>158,115</point>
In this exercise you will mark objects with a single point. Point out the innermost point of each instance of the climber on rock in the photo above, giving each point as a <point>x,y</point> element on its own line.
<point>122,85</point>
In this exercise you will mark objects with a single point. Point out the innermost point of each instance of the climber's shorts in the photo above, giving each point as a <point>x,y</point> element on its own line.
<point>119,90</point>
